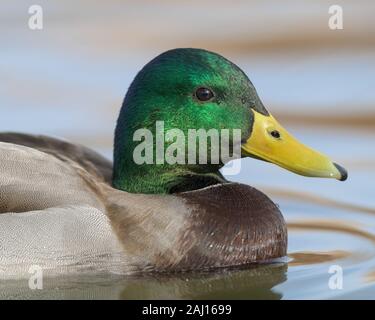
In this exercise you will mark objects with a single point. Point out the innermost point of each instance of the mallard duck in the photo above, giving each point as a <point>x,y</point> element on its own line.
<point>64,207</point>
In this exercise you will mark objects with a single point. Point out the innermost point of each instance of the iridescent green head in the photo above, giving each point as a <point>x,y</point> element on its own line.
<point>187,89</point>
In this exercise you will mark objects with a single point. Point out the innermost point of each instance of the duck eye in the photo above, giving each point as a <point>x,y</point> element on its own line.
<point>276,134</point>
<point>204,94</point>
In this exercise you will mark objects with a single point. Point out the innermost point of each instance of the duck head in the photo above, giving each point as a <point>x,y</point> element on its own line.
<point>188,89</point>
<point>205,221</point>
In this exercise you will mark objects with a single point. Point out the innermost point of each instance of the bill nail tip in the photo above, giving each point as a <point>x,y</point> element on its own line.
<point>343,172</point>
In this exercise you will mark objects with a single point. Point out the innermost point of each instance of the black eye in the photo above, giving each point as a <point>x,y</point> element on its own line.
<point>204,94</point>
<point>275,134</point>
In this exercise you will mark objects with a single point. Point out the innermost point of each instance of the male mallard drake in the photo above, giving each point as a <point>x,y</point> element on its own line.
<point>65,208</point>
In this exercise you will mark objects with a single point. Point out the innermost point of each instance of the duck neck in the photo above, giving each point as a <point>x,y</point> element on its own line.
<point>158,178</point>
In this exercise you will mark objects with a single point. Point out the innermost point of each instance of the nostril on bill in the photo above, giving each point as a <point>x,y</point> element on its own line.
<point>275,134</point>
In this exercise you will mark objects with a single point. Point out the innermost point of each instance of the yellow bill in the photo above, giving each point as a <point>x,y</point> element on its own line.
<point>269,141</point>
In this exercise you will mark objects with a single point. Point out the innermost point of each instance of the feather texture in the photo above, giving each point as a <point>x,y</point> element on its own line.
<point>58,211</point>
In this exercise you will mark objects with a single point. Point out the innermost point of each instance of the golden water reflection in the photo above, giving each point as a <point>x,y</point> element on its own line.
<point>317,199</point>
<point>308,258</point>
<point>305,258</point>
